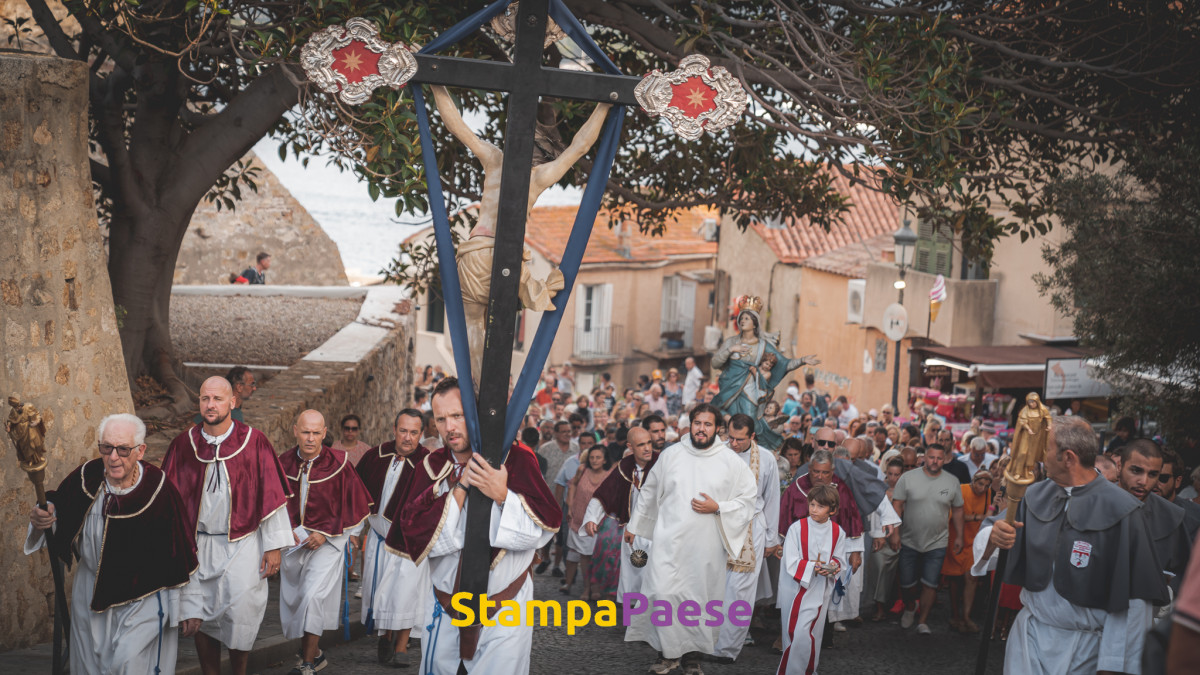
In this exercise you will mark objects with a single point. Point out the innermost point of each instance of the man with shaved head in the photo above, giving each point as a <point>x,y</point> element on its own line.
<point>234,494</point>
<point>327,504</point>
<point>616,498</point>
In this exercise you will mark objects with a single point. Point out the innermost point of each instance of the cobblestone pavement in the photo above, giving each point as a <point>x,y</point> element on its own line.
<point>873,648</point>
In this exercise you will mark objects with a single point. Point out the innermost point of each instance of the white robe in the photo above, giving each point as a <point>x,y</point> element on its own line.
<point>501,649</point>
<point>1051,636</point>
<point>804,602</point>
<point>310,582</point>
<point>848,607</point>
<point>765,529</point>
<point>630,579</point>
<point>130,639</point>
<point>690,549</point>
<point>226,591</point>
<point>394,590</point>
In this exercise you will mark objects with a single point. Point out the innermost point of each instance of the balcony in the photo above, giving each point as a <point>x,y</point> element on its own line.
<point>599,345</point>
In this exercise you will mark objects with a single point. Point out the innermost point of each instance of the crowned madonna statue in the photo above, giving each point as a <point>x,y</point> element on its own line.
<point>751,368</point>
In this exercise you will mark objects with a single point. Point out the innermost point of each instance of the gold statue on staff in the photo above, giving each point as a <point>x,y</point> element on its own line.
<point>1028,449</point>
<point>28,433</point>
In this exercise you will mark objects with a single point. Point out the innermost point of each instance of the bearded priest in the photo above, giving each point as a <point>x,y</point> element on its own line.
<point>121,515</point>
<point>696,507</point>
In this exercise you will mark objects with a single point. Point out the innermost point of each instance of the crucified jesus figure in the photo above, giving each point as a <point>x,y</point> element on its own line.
<point>474,256</point>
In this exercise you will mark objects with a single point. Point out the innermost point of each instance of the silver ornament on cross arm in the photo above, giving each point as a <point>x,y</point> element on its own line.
<point>716,101</point>
<point>394,68</point>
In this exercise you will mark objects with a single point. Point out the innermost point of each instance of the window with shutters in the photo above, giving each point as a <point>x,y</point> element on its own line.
<point>934,249</point>
<point>593,312</point>
<point>678,311</point>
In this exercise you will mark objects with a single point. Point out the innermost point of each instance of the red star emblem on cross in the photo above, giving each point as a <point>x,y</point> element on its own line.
<point>693,97</point>
<point>355,62</point>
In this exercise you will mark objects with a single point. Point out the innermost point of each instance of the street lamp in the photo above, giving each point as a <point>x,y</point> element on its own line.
<point>905,241</point>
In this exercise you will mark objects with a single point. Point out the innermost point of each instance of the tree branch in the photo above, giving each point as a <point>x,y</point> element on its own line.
<point>225,137</point>
<point>54,32</point>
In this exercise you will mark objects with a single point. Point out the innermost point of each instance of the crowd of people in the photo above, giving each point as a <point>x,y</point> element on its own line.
<point>648,491</point>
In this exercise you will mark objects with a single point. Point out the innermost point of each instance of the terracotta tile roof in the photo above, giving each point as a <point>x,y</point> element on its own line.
<point>549,227</point>
<point>871,214</point>
<point>852,260</point>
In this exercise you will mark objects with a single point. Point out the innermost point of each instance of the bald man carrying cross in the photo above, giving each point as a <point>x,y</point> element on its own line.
<point>234,496</point>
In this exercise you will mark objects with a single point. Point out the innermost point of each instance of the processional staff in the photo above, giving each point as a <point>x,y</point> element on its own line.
<point>27,430</point>
<point>1028,449</point>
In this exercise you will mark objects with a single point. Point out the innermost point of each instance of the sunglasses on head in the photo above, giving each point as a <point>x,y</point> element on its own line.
<point>825,444</point>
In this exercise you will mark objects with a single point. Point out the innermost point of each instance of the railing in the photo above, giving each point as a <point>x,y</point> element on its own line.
<point>601,342</point>
<point>676,332</point>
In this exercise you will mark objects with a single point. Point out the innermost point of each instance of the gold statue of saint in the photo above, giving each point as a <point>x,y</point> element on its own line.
<point>28,433</point>
<point>1028,449</point>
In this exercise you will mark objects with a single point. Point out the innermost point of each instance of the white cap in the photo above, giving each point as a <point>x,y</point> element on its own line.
<point>794,392</point>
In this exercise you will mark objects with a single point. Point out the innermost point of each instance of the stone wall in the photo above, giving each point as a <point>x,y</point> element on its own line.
<point>219,242</point>
<point>58,332</point>
<point>365,369</point>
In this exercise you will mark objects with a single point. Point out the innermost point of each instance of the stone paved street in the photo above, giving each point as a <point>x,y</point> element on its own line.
<point>875,648</point>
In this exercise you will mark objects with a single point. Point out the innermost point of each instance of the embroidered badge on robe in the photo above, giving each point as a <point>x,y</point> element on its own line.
<point>1081,552</point>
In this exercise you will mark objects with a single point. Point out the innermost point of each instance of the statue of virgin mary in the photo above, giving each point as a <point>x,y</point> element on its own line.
<point>751,367</point>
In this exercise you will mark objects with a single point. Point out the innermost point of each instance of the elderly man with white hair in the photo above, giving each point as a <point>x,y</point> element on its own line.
<point>978,458</point>
<point>124,520</point>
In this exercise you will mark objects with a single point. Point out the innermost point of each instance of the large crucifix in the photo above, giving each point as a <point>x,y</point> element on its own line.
<point>694,99</point>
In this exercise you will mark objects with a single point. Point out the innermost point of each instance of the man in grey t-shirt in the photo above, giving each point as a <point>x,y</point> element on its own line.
<point>928,501</point>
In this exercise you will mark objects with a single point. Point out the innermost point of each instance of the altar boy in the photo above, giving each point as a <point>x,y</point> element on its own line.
<point>814,552</point>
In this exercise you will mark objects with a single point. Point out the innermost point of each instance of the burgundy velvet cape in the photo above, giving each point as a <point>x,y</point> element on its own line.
<point>147,546</point>
<point>794,505</point>
<point>616,492</point>
<point>257,485</point>
<point>373,468</point>
<point>337,500</point>
<point>422,513</point>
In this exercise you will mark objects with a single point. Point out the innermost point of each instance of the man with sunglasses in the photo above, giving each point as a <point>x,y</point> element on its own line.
<point>1173,473</point>
<point>124,520</point>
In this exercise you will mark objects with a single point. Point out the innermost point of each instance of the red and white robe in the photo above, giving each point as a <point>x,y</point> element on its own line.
<point>804,594</point>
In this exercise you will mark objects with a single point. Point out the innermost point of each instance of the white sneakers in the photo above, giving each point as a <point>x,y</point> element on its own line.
<point>839,627</point>
<point>922,629</point>
<point>906,619</point>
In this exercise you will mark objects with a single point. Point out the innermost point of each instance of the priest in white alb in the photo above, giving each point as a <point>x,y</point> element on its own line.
<point>696,507</point>
<point>741,579</point>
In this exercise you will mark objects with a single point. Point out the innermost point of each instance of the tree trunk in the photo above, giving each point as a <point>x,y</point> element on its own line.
<point>143,248</point>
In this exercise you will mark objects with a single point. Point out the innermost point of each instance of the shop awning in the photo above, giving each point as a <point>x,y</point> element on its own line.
<point>1003,367</point>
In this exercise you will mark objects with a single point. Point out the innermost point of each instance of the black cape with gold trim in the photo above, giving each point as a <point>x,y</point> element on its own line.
<point>147,545</point>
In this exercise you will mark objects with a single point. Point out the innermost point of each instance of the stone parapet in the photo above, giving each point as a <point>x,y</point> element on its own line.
<point>366,369</point>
